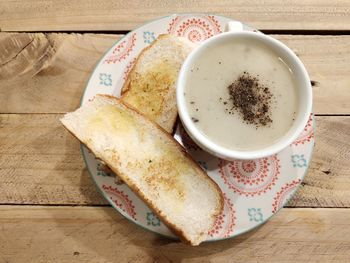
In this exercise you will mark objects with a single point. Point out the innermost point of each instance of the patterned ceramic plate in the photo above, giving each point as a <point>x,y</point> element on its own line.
<point>254,190</point>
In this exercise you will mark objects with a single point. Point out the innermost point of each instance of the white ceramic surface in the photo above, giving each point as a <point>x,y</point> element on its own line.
<point>302,84</point>
<point>254,190</point>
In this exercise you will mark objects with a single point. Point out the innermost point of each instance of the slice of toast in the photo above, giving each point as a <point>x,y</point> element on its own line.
<point>151,84</point>
<point>151,163</point>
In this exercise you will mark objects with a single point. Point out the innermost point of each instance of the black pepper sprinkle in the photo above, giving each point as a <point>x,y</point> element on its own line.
<point>220,62</point>
<point>314,83</point>
<point>192,102</point>
<point>194,119</point>
<point>251,99</point>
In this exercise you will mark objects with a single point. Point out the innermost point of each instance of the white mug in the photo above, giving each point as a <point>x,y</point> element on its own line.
<point>235,30</point>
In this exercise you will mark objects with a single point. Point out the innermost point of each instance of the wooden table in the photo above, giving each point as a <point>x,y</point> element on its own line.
<point>50,209</point>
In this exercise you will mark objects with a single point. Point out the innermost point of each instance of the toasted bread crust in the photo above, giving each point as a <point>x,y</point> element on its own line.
<point>126,85</point>
<point>175,229</point>
<point>152,90</point>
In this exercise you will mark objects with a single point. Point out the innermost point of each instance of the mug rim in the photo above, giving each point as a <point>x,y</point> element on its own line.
<point>231,154</point>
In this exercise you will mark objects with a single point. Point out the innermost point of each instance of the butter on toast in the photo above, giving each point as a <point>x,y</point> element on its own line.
<point>151,84</point>
<point>151,163</point>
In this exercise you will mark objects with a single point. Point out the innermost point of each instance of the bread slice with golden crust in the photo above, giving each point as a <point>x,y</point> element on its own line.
<point>151,163</point>
<point>151,84</point>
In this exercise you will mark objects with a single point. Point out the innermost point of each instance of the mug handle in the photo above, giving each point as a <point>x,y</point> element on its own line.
<point>233,26</point>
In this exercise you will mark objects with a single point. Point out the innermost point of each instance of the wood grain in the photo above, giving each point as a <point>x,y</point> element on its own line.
<point>41,163</point>
<point>327,183</point>
<point>125,15</point>
<point>47,73</point>
<point>95,234</point>
<point>44,74</point>
<point>326,59</point>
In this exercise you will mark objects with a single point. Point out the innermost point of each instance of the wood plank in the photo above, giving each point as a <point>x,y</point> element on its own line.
<point>47,72</point>
<point>326,58</point>
<point>125,15</point>
<point>327,182</point>
<point>96,234</point>
<point>36,67</point>
<point>41,163</point>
